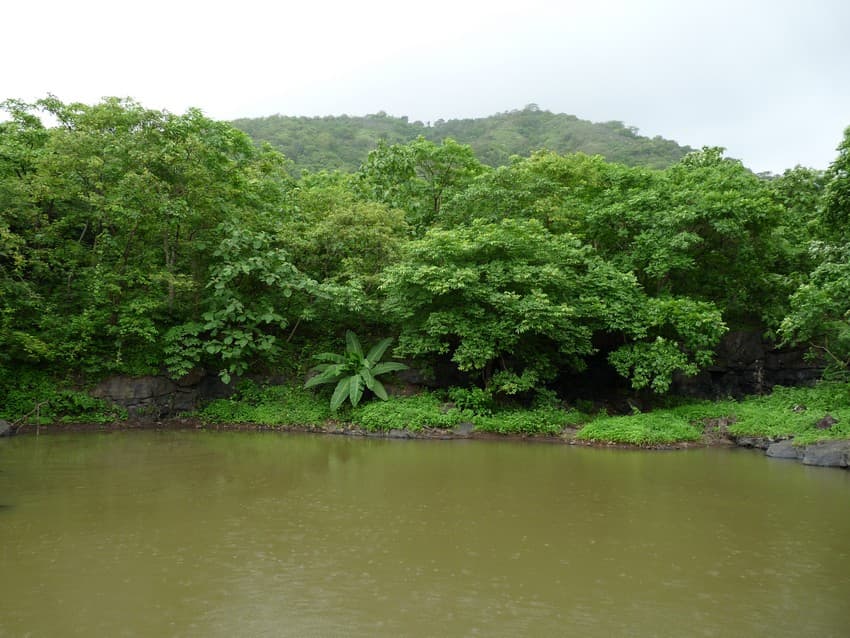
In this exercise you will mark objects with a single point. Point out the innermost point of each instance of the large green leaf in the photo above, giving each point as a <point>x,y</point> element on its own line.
<point>373,384</point>
<point>378,351</point>
<point>366,374</point>
<point>388,366</point>
<point>330,374</point>
<point>340,393</point>
<point>352,344</point>
<point>329,356</point>
<point>355,388</point>
<point>378,388</point>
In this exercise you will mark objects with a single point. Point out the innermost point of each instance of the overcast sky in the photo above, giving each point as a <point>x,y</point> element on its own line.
<point>768,80</point>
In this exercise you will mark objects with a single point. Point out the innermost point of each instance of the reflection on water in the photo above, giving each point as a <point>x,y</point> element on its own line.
<point>238,534</point>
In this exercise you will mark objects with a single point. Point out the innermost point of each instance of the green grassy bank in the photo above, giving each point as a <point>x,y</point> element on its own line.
<point>786,412</point>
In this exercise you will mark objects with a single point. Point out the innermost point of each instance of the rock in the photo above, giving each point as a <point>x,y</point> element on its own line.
<point>826,422</point>
<point>752,441</point>
<point>828,454</point>
<point>398,434</point>
<point>5,428</point>
<point>784,450</point>
<point>463,429</point>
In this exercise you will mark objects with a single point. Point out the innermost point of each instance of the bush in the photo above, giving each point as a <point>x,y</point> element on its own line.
<point>474,399</point>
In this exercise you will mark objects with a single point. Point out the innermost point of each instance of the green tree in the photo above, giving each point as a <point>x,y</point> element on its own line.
<point>418,177</point>
<point>246,308</point>
<point>507,300</point>
<point>124,206</point>
<point>820,308</point>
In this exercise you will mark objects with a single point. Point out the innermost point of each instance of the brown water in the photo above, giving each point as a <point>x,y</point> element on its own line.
<point>237,534</point>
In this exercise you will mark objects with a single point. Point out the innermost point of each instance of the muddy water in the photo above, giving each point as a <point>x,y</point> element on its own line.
<point>235,534</point>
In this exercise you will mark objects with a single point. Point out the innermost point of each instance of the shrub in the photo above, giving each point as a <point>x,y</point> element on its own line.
<point>352,371</point>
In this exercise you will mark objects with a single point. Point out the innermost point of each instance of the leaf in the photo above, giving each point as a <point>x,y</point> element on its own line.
<point>352,343</point>
<point>330,374</point>
<point>378,388</point>
<point>329,356</point>
<point>355,384</point>
<point>367,377</point>
<point>378,350</point>
<point>340,393</point>
<point>388,366</point>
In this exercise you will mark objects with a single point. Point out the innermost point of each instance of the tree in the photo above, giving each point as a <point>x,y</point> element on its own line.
<point>418,177</point>
<point>124,206</point>
<point>820,308</point>
<point>508,300</point>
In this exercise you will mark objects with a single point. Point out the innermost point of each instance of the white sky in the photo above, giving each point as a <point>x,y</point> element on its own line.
<point>767,79</point>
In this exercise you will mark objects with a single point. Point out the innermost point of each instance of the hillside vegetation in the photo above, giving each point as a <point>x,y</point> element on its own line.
<point>343,142</point>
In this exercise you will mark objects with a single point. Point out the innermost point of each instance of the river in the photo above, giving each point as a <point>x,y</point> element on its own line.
<point>263,534</point>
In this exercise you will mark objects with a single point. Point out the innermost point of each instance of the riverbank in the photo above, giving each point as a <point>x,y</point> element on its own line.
<point>809,424</point>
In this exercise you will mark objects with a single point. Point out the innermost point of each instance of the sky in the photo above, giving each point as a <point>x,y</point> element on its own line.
<point>767,80</point>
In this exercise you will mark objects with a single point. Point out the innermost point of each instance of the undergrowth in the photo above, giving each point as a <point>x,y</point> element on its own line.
<point>413,413</point>
<point>36,398</point>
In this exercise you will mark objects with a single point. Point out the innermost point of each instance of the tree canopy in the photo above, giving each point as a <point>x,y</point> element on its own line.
<point>135,240</point>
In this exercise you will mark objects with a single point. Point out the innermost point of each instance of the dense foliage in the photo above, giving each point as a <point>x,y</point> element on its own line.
<point>135,240</point>
<point>343,142</point>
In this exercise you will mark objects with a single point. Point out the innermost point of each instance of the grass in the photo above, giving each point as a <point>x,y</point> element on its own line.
<point>645,429</point>
<point>784,413</point>
<point>413,413</point>
<point>543,420</point>
<point>282,405</point>
<point>787,412</point>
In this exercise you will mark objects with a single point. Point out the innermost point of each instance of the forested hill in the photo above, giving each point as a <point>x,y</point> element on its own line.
<point>343,142</point>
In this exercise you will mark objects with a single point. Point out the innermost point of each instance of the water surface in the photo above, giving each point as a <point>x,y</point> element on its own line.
<point>242,534</point>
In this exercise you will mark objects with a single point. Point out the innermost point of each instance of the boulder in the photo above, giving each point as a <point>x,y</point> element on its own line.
<point>5,428</point>
<point>828,454</point>
<point>826,422</point>
<point>784,450</point>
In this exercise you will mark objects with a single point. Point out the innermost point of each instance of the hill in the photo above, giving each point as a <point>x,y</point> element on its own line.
<point>343,142</point>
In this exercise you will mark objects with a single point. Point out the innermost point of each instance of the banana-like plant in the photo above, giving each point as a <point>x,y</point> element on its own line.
<point>353,371</point>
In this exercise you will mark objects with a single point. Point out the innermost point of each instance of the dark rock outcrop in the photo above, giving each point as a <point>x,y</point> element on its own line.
<point>757,442</point>
<point>156,397</point>
<point>745,363</point>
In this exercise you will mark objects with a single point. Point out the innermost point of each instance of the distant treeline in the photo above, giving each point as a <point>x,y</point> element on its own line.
<point>343,142</point>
